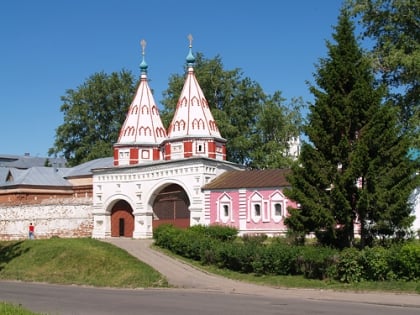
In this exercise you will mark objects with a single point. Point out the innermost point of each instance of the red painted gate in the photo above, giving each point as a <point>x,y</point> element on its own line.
<point>122,220</point>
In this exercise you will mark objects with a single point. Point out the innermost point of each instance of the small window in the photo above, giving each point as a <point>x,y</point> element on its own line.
<point>200,147</point>
<point>226,210</point>
<point>277,209</point>
<point>257,209</point>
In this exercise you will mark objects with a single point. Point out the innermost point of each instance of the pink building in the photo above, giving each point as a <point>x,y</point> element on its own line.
<point>251,201</point>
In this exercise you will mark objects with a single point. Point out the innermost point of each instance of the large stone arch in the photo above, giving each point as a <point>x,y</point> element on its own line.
<point>170,205</point>
<point>122,219</point>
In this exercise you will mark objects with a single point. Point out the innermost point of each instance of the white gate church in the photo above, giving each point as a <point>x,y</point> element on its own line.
<point>158,174</point>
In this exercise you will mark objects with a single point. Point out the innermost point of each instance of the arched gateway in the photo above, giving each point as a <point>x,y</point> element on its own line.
<point>171,207</point>
<point>158,192</point>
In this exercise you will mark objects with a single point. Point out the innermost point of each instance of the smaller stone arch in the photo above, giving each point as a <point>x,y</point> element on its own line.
<point>122,219</point>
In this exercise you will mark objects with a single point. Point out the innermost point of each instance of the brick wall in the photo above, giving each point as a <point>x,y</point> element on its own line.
<point>60,217</point>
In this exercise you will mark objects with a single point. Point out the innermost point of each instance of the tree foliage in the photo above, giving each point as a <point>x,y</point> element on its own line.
<point>93,115</point>
<point>256,126</point>
<point>277,125</point>
<point>356,168</point>
<point>394,25</point>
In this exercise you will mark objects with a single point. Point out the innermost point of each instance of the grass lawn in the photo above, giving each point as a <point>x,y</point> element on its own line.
<point>12,309</point>
<point>81,261</point>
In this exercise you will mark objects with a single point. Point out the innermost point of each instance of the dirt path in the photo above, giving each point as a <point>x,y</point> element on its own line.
<point>182,275</point>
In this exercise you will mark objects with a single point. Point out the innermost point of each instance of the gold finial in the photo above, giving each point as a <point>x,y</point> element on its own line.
<point>143,46</point>
<point>190,38</point>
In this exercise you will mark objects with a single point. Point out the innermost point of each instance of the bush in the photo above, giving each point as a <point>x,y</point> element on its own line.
<point>165,235</point>
<point>347,268</point>
<point>314,262</point>
<point>376,264</point>
<point>279,258</point>
<point>220,246</point>
<point>219,232</point>
<point>408,261</point>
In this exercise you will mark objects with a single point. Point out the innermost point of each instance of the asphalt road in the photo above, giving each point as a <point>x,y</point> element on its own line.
<point>72,300</point>
<point>198,293</point>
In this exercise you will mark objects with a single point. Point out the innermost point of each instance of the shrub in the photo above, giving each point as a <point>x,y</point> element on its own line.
<point>165,235</point>
<point>408,261</point>
<point>221,232</point>
<point>348,269</point>
<point>258,239</point>
<point>314,262</point>
<point>279,258</point>
<point>375,263</point>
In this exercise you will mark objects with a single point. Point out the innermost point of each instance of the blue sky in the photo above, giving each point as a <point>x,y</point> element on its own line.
<point>49,46</point>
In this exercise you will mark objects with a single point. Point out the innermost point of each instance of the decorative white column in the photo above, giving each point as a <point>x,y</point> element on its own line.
<point>196,215</point>
<point>101,225</point>
<point>143,225</point>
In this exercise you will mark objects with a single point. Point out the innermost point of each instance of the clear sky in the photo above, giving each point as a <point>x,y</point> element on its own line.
<point>49,46</point>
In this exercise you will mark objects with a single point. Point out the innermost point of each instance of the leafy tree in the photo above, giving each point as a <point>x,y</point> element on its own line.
<point>394,25</point>
<point>239,106</point>
<point>277,124</point>
<point>93,115</point>
<point>356,166</point>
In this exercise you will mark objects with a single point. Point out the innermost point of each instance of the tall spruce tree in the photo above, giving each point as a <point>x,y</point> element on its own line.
<point>355,168</point>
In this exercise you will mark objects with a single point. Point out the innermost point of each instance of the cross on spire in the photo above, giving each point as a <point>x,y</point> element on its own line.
<point>143,64</point>
<point>143,46</point>
<point>190,38</point>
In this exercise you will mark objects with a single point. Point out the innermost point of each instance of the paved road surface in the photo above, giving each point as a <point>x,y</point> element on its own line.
<point>182,275</point>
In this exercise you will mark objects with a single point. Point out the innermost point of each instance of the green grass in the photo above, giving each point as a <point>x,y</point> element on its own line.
<point>82,261</point>
<point>11,309</point>
<point>399,286</point>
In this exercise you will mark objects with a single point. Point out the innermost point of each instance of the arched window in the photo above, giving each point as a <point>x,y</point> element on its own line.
<point>255,207</point>
<point>278,206</point>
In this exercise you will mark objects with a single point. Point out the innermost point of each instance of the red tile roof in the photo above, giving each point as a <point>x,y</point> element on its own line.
<point>250,179</point>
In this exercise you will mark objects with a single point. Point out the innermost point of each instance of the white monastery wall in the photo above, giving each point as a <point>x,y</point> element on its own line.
<point>57,218</point>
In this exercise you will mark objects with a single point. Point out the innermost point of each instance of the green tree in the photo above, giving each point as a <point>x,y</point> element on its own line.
<point>276,125</point>
<point>237,103</point>
<point>394,25</point>
<point>386,178</point>
<point>93,115</point>
<point>356,166</point>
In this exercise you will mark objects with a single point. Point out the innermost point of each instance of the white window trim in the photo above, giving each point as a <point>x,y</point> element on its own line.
<point>277,198</point>
<point>255,199</point>
<point>224,200</point>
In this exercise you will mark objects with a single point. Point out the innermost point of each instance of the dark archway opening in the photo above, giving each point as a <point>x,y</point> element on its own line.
<point>122,220</point>
<point>171,207</point>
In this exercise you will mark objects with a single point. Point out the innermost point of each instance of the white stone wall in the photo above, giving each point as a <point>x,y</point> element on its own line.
<point>62,218</point>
